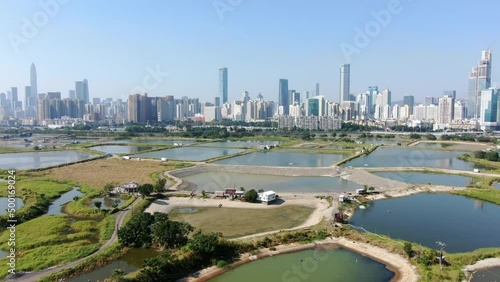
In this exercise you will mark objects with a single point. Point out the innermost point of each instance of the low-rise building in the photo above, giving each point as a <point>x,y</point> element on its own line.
<point>267,196</point>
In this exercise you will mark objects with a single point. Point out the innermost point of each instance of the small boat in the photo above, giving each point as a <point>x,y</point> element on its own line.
<point>362,207</point>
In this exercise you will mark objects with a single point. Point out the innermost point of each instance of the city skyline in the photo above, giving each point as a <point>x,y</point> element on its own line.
<point>117,67</point>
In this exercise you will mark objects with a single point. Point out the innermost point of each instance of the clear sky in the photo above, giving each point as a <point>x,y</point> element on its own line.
<point>426,47</point>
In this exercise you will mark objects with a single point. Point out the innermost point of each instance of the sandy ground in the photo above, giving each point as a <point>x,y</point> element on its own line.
<point>414,189</point>
<point>481,265</point>
<point>321,207</point>
<point>404,270</point>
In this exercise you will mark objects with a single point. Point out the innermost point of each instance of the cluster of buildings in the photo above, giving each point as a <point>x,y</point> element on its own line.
<point>375,107</point>
<point>306,110</point>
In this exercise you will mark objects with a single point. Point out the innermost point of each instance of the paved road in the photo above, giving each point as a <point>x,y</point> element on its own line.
<point>34,276</point>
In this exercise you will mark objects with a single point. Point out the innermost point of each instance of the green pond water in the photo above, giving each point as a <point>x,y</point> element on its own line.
<point>463,224</point>
<point>129,262</point>
<point>285,159</point>
<point>56,207</point>
<point>216,181</point>
<point>321,265</point>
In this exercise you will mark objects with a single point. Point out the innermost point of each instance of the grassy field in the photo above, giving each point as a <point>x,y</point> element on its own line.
<point>50,240</point>
<point>98,173</point>
<point>489,195</point>
<point>235,222</point>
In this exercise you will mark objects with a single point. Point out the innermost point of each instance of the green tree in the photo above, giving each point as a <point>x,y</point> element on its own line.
<point>137,232</point>
<point>98,204</point>
<point>159,185</point>
<point>108,188</point>
<point>491,156</point>
<point>261,191</point>
<point>146,189</point>
<point>480,154</point>
<point>171,233</point>
<point>251,196</point>
<point>431,137</point>
<point>407,248</point>
<point>116,203</point>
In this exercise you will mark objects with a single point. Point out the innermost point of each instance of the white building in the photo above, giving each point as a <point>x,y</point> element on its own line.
<point>446,110</point>
<point>267,196</point>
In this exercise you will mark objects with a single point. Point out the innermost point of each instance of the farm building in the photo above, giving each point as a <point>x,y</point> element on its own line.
<point>131,187</point>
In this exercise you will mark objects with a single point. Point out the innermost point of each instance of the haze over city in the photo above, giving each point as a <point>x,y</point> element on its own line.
<point>424,49</point>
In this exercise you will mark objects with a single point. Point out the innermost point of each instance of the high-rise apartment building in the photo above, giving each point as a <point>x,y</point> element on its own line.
<point>479,80</point>
<point>223,87</point>
<point>409,100</point>
<point>345,73</point>
<point>446,110</point>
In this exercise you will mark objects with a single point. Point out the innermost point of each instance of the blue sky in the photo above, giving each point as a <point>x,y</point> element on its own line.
<point>425,48</point>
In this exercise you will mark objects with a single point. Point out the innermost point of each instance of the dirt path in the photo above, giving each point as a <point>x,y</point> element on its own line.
<point>34,276</point>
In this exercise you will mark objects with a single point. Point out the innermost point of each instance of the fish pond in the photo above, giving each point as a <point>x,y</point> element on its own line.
<point>462,223</point>
<point>190,153</point>
<point>216,181</point>
<point>129,262</point>
<point>315,265</point>
<point>426,178</point>
<point>117,149</point>
<point>413,157</point>
<point>291,159</point>
<point>31,160</point>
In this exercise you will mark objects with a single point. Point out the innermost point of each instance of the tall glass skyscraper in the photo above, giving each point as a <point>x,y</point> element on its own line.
<point>410,101</point>
<point>479,80</point>
<point>490,113</point>
<point>33,80</point>
<point>345,73</point>
<point>373,91</point>
<point>283,99</point>
<point>223,84</point>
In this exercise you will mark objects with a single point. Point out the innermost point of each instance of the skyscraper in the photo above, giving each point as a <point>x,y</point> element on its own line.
<point>82,91</point>
<point>79,90</point>
<point>317,89</point>
<point>373,91</point>
<point>33,80</point>
<point>14,98</point>
<point>27,96</point>
<point>345,72</point>
<point>479,79</point>
<point>86,98</point>
<point>410,101</point>
<point>283,99</point>
<point>450,93</point>
<point>223,84</point>
<point>490,114</point>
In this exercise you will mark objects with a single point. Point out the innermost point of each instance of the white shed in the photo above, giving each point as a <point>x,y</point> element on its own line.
<point>267,196</point>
